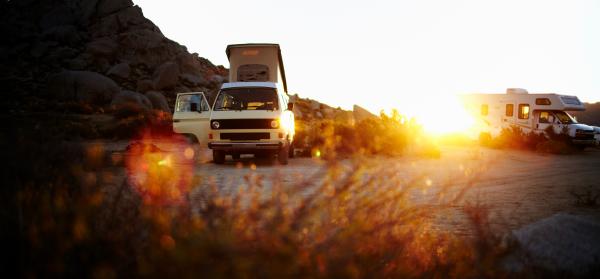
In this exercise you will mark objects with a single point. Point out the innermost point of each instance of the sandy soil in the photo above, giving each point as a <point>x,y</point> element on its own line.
<point>519,187</point>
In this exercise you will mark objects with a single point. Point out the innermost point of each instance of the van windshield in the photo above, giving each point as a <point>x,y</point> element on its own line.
<point>564,117</point>
<point>247,99</point>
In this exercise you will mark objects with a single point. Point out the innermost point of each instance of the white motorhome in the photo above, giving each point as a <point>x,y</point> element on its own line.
<point>530,112</point>
<point>251,114</point>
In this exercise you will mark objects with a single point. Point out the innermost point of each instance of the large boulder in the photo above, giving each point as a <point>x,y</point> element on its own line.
<point>106,7</point>
<point>131,99</point>
<point>166,76</point>
<point>103,47</point>
<point>189,63</point>
<point>193,80</point>
<point>57,16</point>
<point>144,85</point>
<point>121,70</point>
<point>66,34</point>
<point>158,100</point>
<point>82,86</point>
<point>128,19</point>
<point>218,79</point>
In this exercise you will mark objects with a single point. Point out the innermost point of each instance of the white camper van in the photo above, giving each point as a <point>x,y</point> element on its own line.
<point>531,112</point>
<point>252,113</point>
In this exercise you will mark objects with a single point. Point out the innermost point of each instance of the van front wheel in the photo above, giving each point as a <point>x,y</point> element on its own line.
<point>283,155</point>
<point>218,157</point>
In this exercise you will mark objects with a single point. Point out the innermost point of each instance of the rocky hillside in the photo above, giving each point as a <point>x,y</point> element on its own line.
<point>95,53</point>
<point>99,68</point>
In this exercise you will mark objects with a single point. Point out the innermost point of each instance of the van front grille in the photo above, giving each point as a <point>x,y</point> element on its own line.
<point>245,136</point>
<point>584,136</point>
<point>225,124</point>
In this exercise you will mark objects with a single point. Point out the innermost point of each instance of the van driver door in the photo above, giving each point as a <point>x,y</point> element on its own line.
<point>192,115</point>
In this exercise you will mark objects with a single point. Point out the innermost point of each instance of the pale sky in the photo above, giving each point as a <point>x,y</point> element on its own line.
<point>402,54</point>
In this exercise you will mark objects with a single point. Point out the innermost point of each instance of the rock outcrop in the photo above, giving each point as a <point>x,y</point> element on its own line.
<point>89,51</point>
<point>104,57</point>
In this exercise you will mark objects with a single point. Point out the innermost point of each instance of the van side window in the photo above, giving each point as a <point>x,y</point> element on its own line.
<point>484,109</point>
<point>184,103</point>
<point>544,115</point>
<point>510,108</point>
<point>543,101</point>
<point>205,106</point>
<point>253,72</point>
<point>523,111</point>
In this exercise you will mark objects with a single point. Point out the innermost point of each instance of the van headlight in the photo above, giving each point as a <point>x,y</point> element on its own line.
<point>274,124</point>
<point>215,124</point>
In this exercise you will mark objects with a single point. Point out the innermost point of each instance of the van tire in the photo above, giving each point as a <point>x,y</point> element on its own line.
<point>283,155</point>
<point>291,150</point>
<point>218,157</point>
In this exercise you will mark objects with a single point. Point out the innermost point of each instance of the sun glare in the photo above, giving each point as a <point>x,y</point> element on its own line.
<point>441,115</point>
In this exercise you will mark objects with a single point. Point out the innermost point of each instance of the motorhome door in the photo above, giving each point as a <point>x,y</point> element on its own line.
<point>192,115</point>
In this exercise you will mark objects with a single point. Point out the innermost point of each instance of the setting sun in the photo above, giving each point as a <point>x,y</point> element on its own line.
<point>440,116</point>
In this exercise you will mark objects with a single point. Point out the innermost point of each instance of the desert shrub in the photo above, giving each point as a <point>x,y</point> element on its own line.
<point>555,147</point>
<point>547,142</point>
<point>588,197</point>
<point>388,135</point>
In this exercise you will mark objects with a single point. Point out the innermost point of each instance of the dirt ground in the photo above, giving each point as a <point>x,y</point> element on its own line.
<point>519,187</point>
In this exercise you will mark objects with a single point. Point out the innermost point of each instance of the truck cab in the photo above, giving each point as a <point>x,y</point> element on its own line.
<point>563,122</point>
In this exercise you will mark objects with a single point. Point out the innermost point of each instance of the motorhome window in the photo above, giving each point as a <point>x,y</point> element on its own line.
<point>543,101</point>
<point>253,72</point>
<point>564,117</point>
<point>247,99</point>
<point>523,111</point>
<point>544,117</point>
<point>184,103</point>
<point>510,108</point>
<point>484,109</point>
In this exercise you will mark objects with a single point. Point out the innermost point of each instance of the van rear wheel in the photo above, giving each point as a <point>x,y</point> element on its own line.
<point>218,157</point>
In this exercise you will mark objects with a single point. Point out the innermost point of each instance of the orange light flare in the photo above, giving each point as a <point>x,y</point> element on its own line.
<point>161,177</point>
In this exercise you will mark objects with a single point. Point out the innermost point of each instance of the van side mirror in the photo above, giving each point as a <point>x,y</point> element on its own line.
<point>290,106</point>
<point>194,107</point>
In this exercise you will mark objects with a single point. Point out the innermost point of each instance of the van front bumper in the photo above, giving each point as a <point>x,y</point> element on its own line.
<point>589,142</point>
<point>241,146</point>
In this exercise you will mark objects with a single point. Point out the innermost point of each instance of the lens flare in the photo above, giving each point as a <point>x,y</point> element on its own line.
<point>156,174</point>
